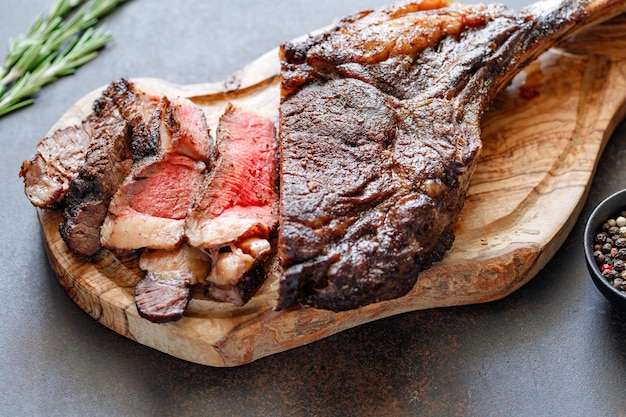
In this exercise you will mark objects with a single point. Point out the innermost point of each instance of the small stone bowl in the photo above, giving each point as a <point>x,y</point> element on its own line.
<point>609,208</point>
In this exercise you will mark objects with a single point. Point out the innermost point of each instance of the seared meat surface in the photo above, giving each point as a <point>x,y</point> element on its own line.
<point>58,160</point>
<point>109,159</point>
<point>380,133</point>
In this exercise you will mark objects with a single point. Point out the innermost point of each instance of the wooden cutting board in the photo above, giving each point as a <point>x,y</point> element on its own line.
<point>542,140</point>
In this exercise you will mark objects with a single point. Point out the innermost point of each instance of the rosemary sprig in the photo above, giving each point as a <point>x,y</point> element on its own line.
<point>56,45</point>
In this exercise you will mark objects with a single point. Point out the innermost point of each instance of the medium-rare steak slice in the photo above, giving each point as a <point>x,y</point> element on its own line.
<point>239,194</point>
<point>237,208</point>
<point>149,209</point>
<point>380,133</point>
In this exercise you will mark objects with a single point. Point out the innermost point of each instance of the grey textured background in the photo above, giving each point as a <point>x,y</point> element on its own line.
<point>553,348</point>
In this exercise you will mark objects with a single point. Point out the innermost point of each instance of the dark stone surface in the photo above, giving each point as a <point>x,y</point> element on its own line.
<point>553,348</point>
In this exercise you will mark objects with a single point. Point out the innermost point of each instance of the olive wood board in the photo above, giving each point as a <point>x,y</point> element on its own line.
<point>543,137</point>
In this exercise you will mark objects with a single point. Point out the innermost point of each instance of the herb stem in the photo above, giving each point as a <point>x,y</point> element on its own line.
<point>55,45</point>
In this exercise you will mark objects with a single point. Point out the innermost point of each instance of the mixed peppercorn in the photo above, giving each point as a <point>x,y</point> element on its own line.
<point>610,251</point>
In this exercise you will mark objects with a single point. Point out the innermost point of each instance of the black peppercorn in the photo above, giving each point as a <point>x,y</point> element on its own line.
<point>618,265</point>
<point>601,238</point>
<point>599,257</point>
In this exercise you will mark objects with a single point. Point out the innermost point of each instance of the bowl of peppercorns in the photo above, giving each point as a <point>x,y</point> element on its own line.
<point>605,248</point>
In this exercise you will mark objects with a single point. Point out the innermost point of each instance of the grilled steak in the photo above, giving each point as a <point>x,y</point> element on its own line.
<point>239,193</point>
<point>136,107</point>
<point>141,174</point>
<point>233,212</point>
<point>108,161</point>
<point>380,133</point>
<point>181,127</point>
<point>61,155</point>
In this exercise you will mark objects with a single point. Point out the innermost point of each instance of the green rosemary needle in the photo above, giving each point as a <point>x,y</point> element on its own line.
<point>56,45</point>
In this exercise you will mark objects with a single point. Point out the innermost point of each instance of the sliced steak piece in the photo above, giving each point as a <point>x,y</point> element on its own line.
<point>163,293</point>
<point>238,271</point>
<point>182,127</point>
<point>137,108</point>
<point>237,207</point>
<point>162,297</point>
<point>108,161</point>
<point>149,209</point>
<point>239,194</point>
<point>58,160</point>
<point>380,133</point>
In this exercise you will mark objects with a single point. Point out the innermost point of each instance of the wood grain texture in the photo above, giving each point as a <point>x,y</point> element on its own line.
<point>542,140</point>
